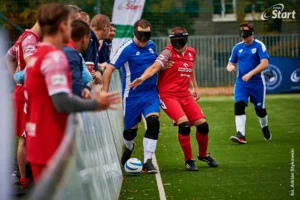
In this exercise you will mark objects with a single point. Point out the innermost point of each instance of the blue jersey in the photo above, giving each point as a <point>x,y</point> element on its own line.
<point>134,61</point>
<point>248,57</point>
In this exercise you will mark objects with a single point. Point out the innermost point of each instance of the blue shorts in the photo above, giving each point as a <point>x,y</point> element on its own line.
<point>256,90</point>
<point>133,107</point>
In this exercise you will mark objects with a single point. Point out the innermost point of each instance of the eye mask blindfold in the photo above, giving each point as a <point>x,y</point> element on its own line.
<point>179,40</point>
<point>142,35</point>
<point>245,33</point>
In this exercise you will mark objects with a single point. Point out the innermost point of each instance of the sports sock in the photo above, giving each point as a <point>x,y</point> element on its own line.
<point>149,148</point>
<point>240,123</point>
<point>263,121</point>
<point>185,143</point>
<point>129,144</point>
<point>202,140</point>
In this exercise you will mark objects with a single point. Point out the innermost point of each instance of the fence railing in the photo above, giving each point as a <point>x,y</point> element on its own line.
<point>214,51</point>
<point>87,163</point>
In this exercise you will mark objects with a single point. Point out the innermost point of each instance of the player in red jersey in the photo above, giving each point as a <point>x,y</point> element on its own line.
<point>17,58</point>
<point>48,89</point>
<point>176,99</point>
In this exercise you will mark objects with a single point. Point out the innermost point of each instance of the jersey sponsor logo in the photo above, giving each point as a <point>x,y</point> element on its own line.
<point>31,129</point>
<point>187,75</point>
<point>183,69</point>
<point>295,76</point>
<point>253,50</point>
<point>58,79</point>
<point>161,57</point>
<point>137,53</point>
<point>273,77</point>
<point>151,50</point>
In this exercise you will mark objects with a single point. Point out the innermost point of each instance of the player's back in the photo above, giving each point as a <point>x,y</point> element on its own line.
<point>176,80</point>
<point>45,126</point>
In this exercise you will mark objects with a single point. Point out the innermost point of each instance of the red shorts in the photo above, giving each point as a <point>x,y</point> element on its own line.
<point>177,107</point>
<point>37,170</point>
<point>19,118</point>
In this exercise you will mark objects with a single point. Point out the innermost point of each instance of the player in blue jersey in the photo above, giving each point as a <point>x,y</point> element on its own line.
<point>251,58</point>
<point>134,57</point>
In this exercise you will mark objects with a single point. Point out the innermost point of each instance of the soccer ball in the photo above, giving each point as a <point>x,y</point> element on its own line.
<point>133,166</point>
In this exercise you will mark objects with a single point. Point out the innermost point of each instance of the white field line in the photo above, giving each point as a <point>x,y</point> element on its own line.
<point>160,186</point>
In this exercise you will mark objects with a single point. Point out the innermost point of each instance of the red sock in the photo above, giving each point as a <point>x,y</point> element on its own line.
<point>24,182</point>
<point>185,143</point>
<point>202,140</point>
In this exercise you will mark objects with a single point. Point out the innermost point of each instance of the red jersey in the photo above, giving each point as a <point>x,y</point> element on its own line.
<point>176,80</point>
<point>24,47</point>
<point>48,73</point>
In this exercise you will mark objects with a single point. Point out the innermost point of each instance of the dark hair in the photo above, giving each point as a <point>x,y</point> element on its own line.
<point>50,16</point>
<point>113,25</point>
<point>142,23</point>
<point>178,30</point>
<point>79,29</point>
<point>100,21</point>
<point>247,24</point>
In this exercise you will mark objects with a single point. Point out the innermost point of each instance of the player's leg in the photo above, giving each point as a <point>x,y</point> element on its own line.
<point>174,110</point>
<point>257,97</point>
<point>197,118</point>
<point>151,113</point>
<point>132,116</point>
<point>241,99</point>
<point>20,121</point>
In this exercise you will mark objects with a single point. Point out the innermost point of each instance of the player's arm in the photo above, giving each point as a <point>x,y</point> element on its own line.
<point>11,62</point>
<point>160,63</point>
<point>195,90</point>
<point>117,62</point>
<point>107,77</point>
<point>56,72</point>
<point>231,66</point>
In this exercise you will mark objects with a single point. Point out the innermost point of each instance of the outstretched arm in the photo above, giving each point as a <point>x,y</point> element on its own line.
<point>150,71</point>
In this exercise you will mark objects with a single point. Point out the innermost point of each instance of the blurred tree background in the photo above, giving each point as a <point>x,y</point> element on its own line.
<point>194,15</point>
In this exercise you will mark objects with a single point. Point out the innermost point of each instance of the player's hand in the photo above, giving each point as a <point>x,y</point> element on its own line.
<point>168,65</point>
<point>98,77</point>
<point>86,94</point>
<point>102,66</point>
<point>136,82</point>
<point>247,77</point>
<point>196,94</point>
<point>107,100</point>
<point>231,68</point>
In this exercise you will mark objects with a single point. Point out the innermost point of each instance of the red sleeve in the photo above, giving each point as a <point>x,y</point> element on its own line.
<point>29,45</point>
<point>164,57</point>
<point>55,68</point>
<point>12,51</point>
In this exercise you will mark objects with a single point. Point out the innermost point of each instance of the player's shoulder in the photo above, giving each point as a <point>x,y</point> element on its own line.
<point>191,49</point>
<point>260,44</point>
<point>151,43</point>
<point>126,46</point>
<point>239,44</point>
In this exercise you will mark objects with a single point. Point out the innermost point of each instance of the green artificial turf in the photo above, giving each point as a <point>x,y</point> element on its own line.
<point>258,170</point>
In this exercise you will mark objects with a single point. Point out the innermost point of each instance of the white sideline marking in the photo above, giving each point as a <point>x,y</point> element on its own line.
<point>160,186</point>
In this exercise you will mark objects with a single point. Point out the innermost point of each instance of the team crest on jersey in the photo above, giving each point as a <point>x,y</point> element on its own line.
<point>253,50</point>
<point>185,65</point>
<point>137,53</point>
<point>241,50</point>
<point>151,50</point>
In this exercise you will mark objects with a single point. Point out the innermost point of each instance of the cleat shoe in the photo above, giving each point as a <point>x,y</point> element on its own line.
<point>190,165</point>
<point>209,160</point>
<point>239,138</point>
<point>149,168</point>
<point>126,154</point>
<point>266,132</point>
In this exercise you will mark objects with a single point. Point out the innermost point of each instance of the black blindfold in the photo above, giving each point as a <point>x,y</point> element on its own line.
<point>179,40</point>
<point>246,33</point>
<point>142,36</point>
